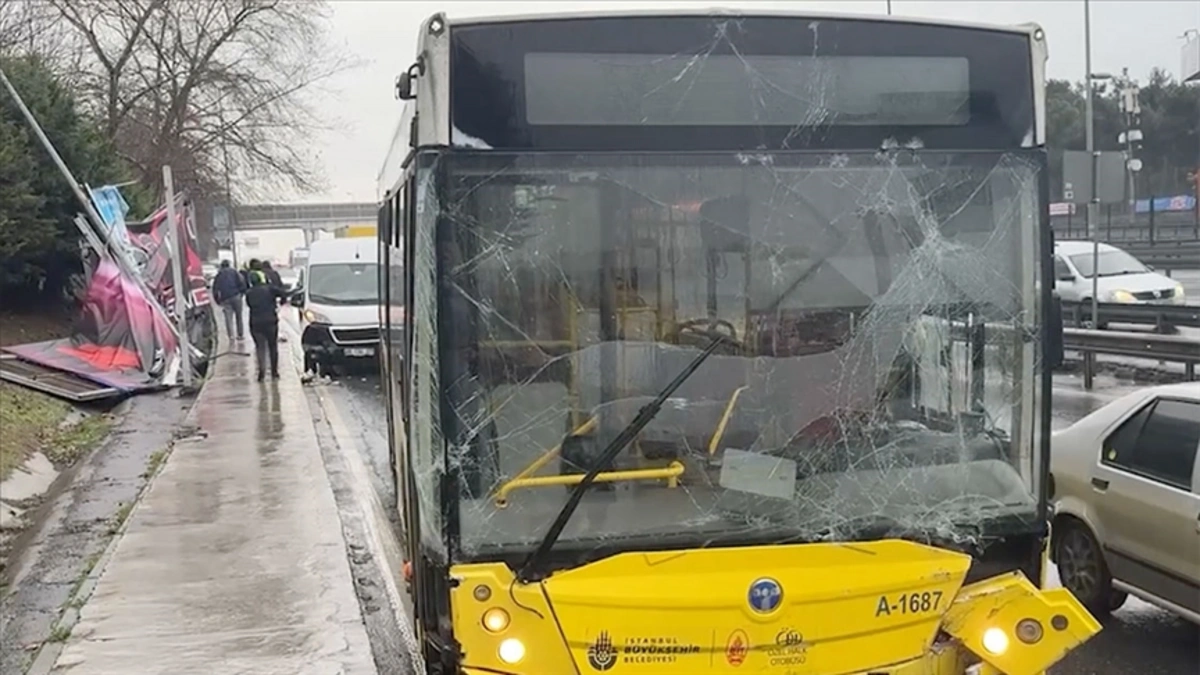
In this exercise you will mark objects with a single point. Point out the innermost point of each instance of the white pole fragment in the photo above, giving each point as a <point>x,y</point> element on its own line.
<point>177,266</point>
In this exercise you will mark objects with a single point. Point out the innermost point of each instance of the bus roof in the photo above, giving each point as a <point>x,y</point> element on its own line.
<point>1023,29</point>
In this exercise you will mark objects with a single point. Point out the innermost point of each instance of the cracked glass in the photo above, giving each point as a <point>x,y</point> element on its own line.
<point>877,310</point>
<point>876,369</point>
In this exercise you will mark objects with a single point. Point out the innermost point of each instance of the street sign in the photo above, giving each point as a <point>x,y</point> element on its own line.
<point>1110,175</point>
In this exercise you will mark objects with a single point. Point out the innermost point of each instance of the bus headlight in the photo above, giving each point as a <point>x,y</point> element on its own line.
<point>495,620</point>
<point>995,641</point>
<point>512,650</point>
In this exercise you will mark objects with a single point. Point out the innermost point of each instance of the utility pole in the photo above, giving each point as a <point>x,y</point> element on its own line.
<point>228,188</point>
<point>1131,108</point>
<point>1092,214</point>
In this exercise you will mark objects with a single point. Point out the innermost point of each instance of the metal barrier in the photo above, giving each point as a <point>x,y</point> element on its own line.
<point>1168,348</point>
<point>1167,255</point>
<point>1163,317</point>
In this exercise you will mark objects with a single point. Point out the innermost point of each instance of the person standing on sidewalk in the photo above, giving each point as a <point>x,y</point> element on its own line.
<point>273,277</point>
<point>227,290</point>
<point>262,301</point>
<point>250,268</point>
<point>275,280</point>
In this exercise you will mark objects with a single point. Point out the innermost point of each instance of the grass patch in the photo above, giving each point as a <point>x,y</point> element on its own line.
<point>119,519</point>
<point>72,441</point>
<point>155,461</point>
<point>90,564</point>
<point>33,421</point>
<point>59,634</point>
<point>29,420</point>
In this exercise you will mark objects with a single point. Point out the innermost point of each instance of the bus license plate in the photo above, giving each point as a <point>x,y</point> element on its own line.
<point>360,351</point>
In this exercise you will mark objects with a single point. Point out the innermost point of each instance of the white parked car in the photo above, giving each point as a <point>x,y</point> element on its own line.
<point>1125,482</point>
<point>1123,278</point>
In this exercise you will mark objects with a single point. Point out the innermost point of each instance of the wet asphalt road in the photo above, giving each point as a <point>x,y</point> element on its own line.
<point>1140,639</point>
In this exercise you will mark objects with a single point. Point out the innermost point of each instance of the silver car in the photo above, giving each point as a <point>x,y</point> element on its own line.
<point>1125,481</point>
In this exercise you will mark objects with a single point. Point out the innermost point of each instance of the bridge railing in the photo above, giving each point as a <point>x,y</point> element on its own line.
<point>258,215</point>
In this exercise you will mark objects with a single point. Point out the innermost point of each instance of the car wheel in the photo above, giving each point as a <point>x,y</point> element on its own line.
<point>1082,569</point>
<point>1116,600</point>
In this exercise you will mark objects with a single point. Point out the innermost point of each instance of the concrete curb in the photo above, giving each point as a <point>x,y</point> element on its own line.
<point>383,547</point>
<point>47,654</point>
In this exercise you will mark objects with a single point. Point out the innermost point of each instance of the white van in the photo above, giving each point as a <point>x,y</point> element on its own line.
<point>338,299</point>
<point>1122,278</point>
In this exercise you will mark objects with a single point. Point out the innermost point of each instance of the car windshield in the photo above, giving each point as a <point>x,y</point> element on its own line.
<point>343,284</point>
<point>876,361</point>
<point>1112,262</point>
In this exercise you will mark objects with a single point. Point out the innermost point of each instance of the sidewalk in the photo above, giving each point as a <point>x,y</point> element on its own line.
<point>234,561</point>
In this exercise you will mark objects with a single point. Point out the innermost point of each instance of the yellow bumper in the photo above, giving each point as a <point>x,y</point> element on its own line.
<point>884,607</point>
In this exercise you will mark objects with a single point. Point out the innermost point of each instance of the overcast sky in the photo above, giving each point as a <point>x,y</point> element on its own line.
<point>1135,34</point>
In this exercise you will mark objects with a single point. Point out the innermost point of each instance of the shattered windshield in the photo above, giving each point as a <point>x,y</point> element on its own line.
<point>875,367</point>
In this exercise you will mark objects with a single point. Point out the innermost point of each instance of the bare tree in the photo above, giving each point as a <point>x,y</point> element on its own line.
<point>29,28</point>
<point>186,81</point>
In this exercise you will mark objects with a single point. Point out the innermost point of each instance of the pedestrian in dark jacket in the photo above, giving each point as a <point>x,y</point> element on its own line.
<point>263,301</point>
<point>228,287</point>
<point>253,266</point>
<point>273,277</point>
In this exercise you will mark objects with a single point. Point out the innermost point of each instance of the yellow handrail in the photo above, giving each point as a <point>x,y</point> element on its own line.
<point>724,421</point>
<point>535,344</point>
<point>671,473</point>
<point>585,428</point>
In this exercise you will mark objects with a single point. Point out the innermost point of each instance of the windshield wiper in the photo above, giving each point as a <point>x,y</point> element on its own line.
<point>531,568</point>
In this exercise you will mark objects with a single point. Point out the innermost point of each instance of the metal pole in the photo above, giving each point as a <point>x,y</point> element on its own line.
<point>117,252</point>
<point>58,161</point>
<point>1090,123</point>
<point>177,263</point>
<point>1127,101</point>
<point>889,7</point>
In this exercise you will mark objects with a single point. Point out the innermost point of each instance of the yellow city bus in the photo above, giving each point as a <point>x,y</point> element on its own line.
<point>718,342</point>
<point>348,231</point>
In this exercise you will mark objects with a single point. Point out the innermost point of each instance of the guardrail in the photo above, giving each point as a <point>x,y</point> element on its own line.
<point>1162,317</point>
<point>1165,255</point>
<point>1168,348</point>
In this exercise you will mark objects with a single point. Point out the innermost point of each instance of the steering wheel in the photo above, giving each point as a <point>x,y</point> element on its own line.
<point>709,328</point>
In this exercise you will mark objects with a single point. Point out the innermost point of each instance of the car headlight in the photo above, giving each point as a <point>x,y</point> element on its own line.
<point>315,317</point>
<point>1122,296</point>
<point>1179,290</point>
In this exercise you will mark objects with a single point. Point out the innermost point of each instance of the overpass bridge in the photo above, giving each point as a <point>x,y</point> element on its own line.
<point>307,217</point>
